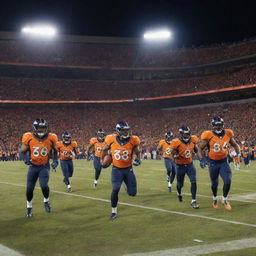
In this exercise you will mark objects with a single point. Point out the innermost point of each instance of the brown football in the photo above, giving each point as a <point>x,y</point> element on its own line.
<point>106,162</point>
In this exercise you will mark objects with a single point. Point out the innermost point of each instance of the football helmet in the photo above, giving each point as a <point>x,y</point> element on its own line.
<point>185,133</point>
<point>218,124</point>
<point>169,136</point>
<point>40,127</point>
<point>123,130</point>
<point>101,135</point>
<point>66,136</point>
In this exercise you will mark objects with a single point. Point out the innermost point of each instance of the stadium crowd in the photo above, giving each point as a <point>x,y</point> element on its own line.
<point>108,55</point>
<point>150,124</point>
<point>64,89</point>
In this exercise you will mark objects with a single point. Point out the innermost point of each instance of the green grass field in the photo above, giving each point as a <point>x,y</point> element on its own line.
<point>79,224</point>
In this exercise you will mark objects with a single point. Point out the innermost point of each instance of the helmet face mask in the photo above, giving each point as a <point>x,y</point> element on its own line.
<point>66,136</point>
<point>218,125</point>
<point>123,130</point>
<point>169,136</point>
<point>185,133</point>
<point>101,135</point>
<point>40,127</point>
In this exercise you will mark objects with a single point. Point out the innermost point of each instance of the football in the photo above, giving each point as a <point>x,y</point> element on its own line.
<point>106,162</point>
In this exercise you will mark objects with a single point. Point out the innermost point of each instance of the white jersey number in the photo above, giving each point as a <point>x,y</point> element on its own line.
<point>124,155</point>
<point>37,152</point>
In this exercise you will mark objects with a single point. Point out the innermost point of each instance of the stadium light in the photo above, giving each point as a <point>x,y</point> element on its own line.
<point>157,35</point>
<point>40,30</point>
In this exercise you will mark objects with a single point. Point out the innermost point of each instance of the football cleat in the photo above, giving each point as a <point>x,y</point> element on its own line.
<point>47,207</point>
<point>194,205</point>
<point>29,213</point>
<point>180,198</point>
<point>69,190</point>
<point>113,216</point>
<point>169,189</point>
<point>94,185</point>
<point>226,205</point>
<point>215,204</point>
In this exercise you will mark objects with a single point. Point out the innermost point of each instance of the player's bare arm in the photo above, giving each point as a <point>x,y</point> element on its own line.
<point>235,146</point>
<point>105,150</point>
<point>201,145</point>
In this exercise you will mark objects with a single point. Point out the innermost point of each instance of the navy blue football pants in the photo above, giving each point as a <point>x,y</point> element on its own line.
<point>120,175</point>
<point>67,170</point>
<point>97,166</point>
<point>35,172</point>
<point>220,168</point>
<point>170,168</point>
<point>190,170</point>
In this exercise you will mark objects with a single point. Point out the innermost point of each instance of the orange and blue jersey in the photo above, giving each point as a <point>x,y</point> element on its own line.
<point>122,153</point>
<point>165,146</point>
<point>218,146</point>
<point>40,149</point>
<point>98,146</point>
<point>245,152</point>
<point>185,150</point>
<point>65,151</point>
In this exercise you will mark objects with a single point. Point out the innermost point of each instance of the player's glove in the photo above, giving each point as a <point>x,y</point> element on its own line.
<point>27,160</point>
<point>54,165</point>
<point>203,162</point>
<point>136,161</point>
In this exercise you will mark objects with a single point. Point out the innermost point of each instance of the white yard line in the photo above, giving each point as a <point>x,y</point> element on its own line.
<point>203,249</point>
<point>146,207</point>
<point>5,251</point>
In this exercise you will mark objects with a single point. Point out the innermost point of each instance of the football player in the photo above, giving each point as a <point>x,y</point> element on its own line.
<point>246,155</point>
<point>122,146</point>
<point>164,145</point>
<point>67,152</point>
<point>35,151</point>
<point>182,150</point>
<point>96,145</point>
<point>217,140</point>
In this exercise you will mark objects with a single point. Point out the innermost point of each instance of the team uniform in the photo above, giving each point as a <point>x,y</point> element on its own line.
<point>40,150</point>
<point>66,153</point>
<point>246,155</point>
<point>97,148</point>
<point>184,164</point>
<point>218,163</point>
<point>169,164</point>
<point>122,170</point>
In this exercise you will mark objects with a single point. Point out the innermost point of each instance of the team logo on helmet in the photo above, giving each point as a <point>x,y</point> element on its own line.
<point>185,133</point>
<point>101,135</point>
<point>168,136</point>
<point>40,127</point>
<point>218,124</point>
<point>123,130</point>
<point>66,136</point>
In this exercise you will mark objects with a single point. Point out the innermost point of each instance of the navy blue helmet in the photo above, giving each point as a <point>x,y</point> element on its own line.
<point>40,127</point>
<point>101,134</point>
<point>168,136</point>
<point>123,130</point>
<point>185,133</point>
<point>66,136</point>
<point>218,124</point>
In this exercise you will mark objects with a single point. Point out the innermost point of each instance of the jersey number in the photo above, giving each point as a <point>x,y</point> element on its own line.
<point>168,151</point>
<point>121,155</point>
<point>37,152</point>
<point>187,153</point>
<point>217,147</point>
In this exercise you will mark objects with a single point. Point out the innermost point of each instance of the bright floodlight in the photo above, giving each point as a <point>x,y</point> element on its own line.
<point>157,35</point>
<point>40,30</point>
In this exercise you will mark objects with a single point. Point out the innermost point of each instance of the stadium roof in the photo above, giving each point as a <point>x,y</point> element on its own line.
<point>193,22</point>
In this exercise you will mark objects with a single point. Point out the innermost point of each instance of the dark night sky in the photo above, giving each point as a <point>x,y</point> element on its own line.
<point>193,22</point>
